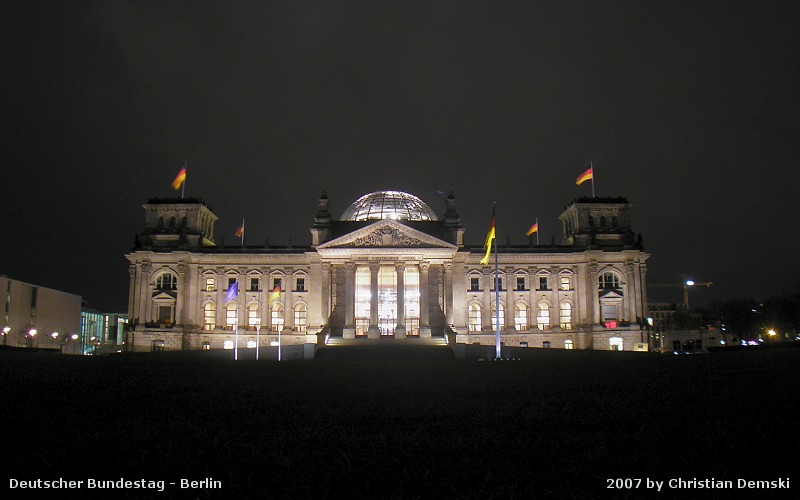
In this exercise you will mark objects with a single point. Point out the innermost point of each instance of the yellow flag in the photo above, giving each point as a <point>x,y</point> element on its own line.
<point>488,244</point>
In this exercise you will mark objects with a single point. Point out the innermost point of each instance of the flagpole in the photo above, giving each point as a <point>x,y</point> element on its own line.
<point>537,231</point>
<point>592,167</point>
<point>183,185</point>
<point>496,290</point>
<point>242,231</point>
<point>236,337</point>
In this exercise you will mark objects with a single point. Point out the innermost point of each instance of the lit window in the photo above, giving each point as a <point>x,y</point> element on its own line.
<point>206,345</point>
<point>211,284</point>
<point>209,316</point>
<point>301,284</point>
<point>543,283</point>
<point>167,281</point>
<point>253,318</point>
<point>230,316</point>
<point>565,315</point>
<point>474,317</point>
<point>228,344</point>
<point>276,319</point>
<point>300,318</point>
<point>607,280</point>
<point>568,344</point>
<point>251,344</point>
<point>543,316</point>
<point>520,284</point>
<point>474,284</point>
<point>565,283</point>
<point>502,317</point>
<point>521,317</point>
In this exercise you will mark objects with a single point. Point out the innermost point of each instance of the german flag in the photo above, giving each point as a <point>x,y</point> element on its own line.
<point>488,244</point>
<point>584,176</point>
<point>179,179</point>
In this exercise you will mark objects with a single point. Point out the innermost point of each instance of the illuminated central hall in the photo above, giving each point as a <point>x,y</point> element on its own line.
<point>389,267</point>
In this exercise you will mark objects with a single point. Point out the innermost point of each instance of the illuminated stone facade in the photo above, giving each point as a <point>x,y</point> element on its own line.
<point>406,275</point>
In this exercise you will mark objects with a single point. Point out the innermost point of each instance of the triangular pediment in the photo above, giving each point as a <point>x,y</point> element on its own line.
<point>386,234</point>
<point>611,294</point>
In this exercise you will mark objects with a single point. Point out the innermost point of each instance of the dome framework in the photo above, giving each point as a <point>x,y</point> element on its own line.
<point>396,205</point>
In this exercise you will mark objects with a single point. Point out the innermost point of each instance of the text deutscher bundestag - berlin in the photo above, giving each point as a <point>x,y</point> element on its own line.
<point>109,484</point>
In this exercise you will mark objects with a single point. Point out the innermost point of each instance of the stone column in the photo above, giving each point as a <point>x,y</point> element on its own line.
<point>511,284</point>
<point>288,310</point>
<point>400,329</point>
<point>593,302</point>
<point>145,293</point>
<point>325,294</point>
<point>448,292</point>
<point>220,305</point>
<point>349,331</point>
<point>373,332</point>
<point>488,297</point>
<point>180,300</point>
<point>132,271</point>
<point>424,306</point>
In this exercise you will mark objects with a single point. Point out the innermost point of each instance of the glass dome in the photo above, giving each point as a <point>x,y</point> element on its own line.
<point>389,205</point>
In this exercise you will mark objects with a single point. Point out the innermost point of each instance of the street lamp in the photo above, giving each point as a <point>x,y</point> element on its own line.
<point>74,337</point>
<point>55,338</point>
<point>32,333</point>
<point>6,329</point>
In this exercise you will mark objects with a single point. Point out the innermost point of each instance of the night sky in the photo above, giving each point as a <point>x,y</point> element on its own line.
<point>688,109</point>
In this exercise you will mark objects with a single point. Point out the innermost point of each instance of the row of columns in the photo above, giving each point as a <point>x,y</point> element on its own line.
<point>400,329</point>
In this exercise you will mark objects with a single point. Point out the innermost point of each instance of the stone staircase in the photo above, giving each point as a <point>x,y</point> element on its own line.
<point>386,349</point>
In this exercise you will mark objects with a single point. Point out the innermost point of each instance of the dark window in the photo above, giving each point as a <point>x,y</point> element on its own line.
<point>543,283</point>
<point>474,284</point>
<point>231,282</point>
<point>498,284</point>
<point>254,282</point>
<point>276,283</point>
<point>520,284</point>
<point>301,284</point>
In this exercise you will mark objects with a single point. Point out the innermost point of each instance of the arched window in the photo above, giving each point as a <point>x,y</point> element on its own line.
<point>253,318</point>
<point>474,317</point>
<point>602,221</point>
<point>276,317</point>
<point>543,316</point>
<point>209,316</point>
<point>520,316</point>
<point>607,279</point>
<point>231,316</point>
<point>172,222</point>
<point>167,281</point>
<point>565,315</point>
<point>300,324</point>
<point>502,316</point>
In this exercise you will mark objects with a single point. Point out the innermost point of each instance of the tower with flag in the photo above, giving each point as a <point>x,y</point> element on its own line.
<point>390,266</point>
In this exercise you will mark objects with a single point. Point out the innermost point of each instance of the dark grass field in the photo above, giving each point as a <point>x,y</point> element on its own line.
<point>409,424</point>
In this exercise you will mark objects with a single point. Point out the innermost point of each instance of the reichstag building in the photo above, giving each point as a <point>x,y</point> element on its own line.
<point>388,267</point>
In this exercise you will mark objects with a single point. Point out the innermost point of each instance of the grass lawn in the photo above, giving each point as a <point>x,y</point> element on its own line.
<point>555,424</point>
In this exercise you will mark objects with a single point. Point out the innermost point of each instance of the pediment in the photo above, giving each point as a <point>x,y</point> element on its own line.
<point>611,294</point>
<point>386,234</point>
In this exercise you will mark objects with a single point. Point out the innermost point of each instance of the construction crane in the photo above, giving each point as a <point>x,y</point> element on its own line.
<point>685,285</point>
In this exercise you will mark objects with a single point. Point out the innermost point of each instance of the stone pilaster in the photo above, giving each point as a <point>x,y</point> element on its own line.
<point>424,304</point>
<point>373,332</point>
<point>400,329</point>
<point>349,331</point>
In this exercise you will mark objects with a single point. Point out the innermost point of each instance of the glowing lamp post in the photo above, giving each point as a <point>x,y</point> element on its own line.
<point>74,338</point>
<point>6,329</point>
<point>32,334</point>
<point>55,339</point>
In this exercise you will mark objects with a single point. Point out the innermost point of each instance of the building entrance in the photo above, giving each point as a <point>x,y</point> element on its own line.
<point>387,300</point>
